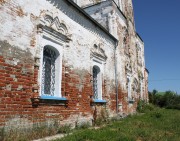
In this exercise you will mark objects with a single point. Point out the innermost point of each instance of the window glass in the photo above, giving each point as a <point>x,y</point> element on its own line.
<point>48,71</point>
<point>96,82</point>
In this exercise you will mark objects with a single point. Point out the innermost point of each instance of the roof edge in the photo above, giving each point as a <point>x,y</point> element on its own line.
<point>90,18</point>
<point>139,37</point>
<point>147,70</point>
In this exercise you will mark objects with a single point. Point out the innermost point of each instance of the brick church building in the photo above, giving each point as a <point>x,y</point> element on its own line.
<point>69,61</point>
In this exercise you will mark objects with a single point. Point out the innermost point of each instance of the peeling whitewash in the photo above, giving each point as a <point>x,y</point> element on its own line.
<point>19,30</point>
<point>107,39</point>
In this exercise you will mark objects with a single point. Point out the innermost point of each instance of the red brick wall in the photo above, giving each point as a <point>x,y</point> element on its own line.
<point>19,87</point>
<point>17,78</point>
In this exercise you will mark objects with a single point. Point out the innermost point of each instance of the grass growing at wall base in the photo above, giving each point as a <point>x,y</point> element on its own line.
<point>155,125</point>
<point>37,131</point>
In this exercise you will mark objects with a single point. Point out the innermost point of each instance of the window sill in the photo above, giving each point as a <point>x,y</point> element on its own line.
<point>53,98</point>
<point>99,101</point>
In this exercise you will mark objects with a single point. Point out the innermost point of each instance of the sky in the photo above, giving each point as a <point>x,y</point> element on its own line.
<point>158,23</point>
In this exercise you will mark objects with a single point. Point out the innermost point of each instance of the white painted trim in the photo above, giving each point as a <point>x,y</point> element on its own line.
<point>100,64</point>
<point>58,71</point>
<point>129,87</point>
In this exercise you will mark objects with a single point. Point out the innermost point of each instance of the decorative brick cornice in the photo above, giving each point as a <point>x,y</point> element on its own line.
<point>52,27</point>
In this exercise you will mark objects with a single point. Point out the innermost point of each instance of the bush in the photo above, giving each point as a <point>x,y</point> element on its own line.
<point>140,106</point>
<point>169,99</point>
<point>144,107</point>
<point>149,107</point>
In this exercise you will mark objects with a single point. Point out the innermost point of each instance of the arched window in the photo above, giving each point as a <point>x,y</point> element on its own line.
<point>50,80</point>
<point>96,73</point>
<point>98,57</point>
<point>135,85</point>
<point>129,87</point>
<point>51,42</point>
<point>97,82</point>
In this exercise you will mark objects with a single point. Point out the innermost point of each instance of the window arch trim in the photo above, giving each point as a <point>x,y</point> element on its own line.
<point>59,50</point>
<point>100,65</point>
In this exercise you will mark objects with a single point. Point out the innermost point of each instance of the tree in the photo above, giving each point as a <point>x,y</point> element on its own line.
<point>152,96</point>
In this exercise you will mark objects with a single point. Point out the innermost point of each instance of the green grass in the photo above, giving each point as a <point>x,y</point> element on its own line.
<point>156,125</point>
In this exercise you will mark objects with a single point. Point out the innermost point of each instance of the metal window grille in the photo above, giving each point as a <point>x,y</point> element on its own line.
<point>95,82</point>
<point>48,71</point>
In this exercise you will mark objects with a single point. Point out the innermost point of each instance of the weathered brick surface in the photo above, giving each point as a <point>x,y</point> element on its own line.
<point>21,45</point>
<point>130,50</point>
